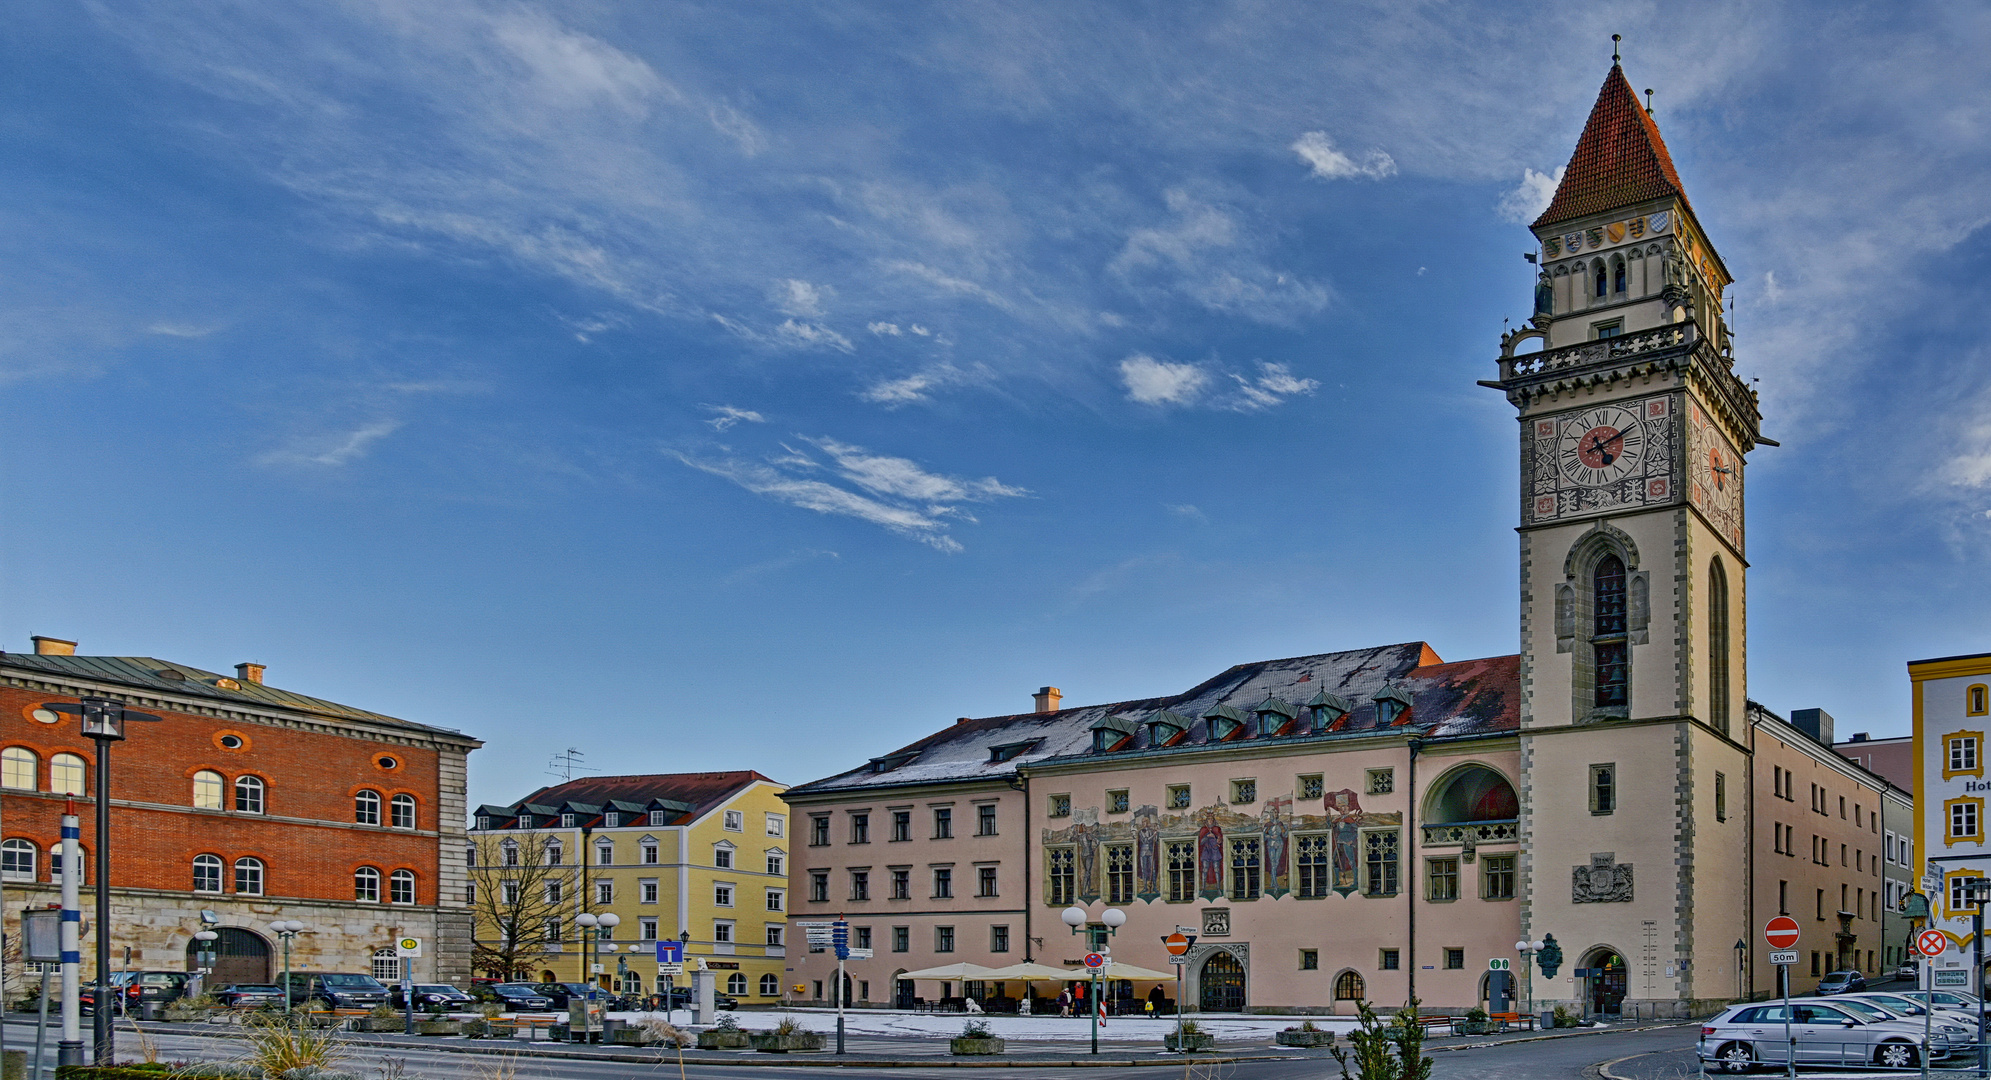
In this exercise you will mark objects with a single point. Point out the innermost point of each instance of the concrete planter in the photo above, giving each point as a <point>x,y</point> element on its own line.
<point>970,1044</point>
<point>1189,1042</point>
<point>717,1039</point>
<point>770,1043</point>
<point>500,1029</point>
<point>377,1023</point>
<point>1304,1038</point>
<point>630,1036</point>
<point>1474,1027</point>
<point>438,1027</point>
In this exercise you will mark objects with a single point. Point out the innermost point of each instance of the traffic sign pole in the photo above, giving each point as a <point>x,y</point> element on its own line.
<point>1782,932</point>
<point>1178,945</point>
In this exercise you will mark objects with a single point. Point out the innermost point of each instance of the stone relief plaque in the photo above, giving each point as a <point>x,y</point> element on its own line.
<point>1604,881</point>
<point>1216,922</point>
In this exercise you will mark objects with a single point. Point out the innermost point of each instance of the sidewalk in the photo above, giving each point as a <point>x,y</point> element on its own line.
<point>886,1052</point>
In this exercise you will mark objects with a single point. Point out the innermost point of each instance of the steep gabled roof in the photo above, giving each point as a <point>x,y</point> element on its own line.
<point>694,794</point>
<point>1619,161</point>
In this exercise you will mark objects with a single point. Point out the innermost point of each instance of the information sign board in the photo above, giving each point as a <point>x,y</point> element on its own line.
<point>1952,978</point>
<point>1784,958</point>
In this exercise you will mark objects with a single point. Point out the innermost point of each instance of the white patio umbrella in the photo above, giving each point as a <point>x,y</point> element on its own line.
<point>1117,970</point>
<point>949,972</point>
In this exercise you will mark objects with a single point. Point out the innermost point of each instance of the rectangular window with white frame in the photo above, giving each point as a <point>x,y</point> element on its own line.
<point>646,891</point>
<point>736,820</point>
<point>646,929</point>
<point>722,894</point>
<point>722,931</point>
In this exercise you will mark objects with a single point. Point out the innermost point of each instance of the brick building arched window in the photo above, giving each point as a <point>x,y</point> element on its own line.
<point>402,811</point>
<point>366,807</point>
<point>208,786</point>
<point>19,769</point>
<point>249,877</point>
<point>67,774</point>
<point>249,792</point>
<point>207,874</point>
<point>366,885</point>
<point>17,860</point>
<point>401,887</point>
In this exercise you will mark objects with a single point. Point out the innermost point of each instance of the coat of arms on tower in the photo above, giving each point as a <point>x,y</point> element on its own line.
<point>1604,881</point>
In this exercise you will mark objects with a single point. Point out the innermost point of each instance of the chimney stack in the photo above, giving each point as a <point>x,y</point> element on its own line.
<point>249,672</point>
<point>1047,699</point>
<point>53,646</point>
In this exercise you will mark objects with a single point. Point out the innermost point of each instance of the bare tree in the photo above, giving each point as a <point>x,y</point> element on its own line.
<point>520,881</point>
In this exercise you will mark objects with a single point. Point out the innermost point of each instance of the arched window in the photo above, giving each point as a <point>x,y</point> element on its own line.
<point>1602,280</point>
<point>17,860</point>
<point>770,986</point>
<point>386,965</point>
<point>366,807</point>
<point>736,984</point>
<point>207,873</point>
<point>249,877</point>
<point>366,885</point>
<point>1618,275</point>
<point>207,790</point>
<point>1348,987</point>
<point>82,865</point>
<point>18,766</point>
<point>66,773</point>
<point>1610,647</point>
<point>403,811</point>
<point>249,794</point>
<point>401,887</point>
<point>1718,688</point>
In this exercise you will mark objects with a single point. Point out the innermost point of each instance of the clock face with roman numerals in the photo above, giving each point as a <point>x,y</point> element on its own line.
<point>1600,459</point>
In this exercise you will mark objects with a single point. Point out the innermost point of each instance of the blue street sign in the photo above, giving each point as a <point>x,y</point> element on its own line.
<point>670,952</point>
<point>840,939</point>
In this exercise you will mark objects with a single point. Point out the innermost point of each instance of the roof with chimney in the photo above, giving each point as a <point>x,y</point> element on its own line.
<point>1322,698</point>
<point>1620,160</point>
<point>683,797</point>
<point>150,675</point>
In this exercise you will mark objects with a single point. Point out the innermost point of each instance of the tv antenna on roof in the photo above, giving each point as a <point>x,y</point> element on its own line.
<point>565,765</point>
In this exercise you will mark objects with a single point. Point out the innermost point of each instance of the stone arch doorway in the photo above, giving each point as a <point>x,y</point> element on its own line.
<point>1220,984</point>
<point>1471,793</point>
<point>1605,990</point>
<point>240,956</point>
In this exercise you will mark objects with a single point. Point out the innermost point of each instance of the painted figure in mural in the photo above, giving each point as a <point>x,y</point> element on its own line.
<point>1085,836</point>
<point>1210,853</point>
<point>1272,823</point>
<point>1147,851</point>
<point>1343,812</point>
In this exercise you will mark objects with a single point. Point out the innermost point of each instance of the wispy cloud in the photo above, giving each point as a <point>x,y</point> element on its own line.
<point>811,335</point>
<point>1158,382</point>
<point>895,493</point>
<point>726,416</point>
<point>792,296</point>
<point>180,330</point>
<point>1328,163</point>
<point>1527,200</point>
<point>330,450</point>
<point>1202,252</point>
<point>1187,510</point>
<point>1273,385</point>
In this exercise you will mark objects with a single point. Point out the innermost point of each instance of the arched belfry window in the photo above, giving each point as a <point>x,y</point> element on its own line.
<point>1718,647</point>
<point>1609,641</point>
<point>1603,280</point>
<point>1618,275</point>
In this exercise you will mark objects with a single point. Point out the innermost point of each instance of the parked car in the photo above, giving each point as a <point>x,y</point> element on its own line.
<point>431,995</point>
<point>334,989</point>
<point>1946,999</point>
<point>680,998</point>
<point>1903,1005</point>
<point>560,993</point>
<point>514,997</point>
<point>250,995</point>
<point>136,987</point>
<point>1741,1037</point>
<point>1841,982</point>
<point>1909,970</point>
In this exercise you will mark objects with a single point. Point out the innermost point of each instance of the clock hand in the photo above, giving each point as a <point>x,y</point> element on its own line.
<point>1598,444</point>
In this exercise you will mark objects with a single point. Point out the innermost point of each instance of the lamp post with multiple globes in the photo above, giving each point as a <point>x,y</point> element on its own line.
<point>286,930</point>
<point>1113,918</point>
<point>1527,949</point>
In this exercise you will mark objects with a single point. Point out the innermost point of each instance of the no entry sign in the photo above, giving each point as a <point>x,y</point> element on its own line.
<point>1931,943</point>
<point>1178,944</point>
<point>1781,932</point>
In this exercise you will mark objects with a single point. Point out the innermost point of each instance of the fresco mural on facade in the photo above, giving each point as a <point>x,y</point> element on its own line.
<point>1207,827</point>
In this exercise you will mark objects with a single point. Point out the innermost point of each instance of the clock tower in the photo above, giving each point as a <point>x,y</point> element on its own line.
<point>1633,428</point>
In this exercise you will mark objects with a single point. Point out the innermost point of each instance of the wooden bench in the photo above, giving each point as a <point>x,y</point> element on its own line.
<point>533,1025</point>
<point>1507,1018</point>
<point>1429,1022</point>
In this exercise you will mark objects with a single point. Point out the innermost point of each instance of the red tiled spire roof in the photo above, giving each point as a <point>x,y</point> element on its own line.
<point>1619,161</point>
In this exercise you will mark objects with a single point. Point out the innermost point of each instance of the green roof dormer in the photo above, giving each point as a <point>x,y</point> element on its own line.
<point>1166,726</point>
<point>1225,722</point>
<point>1273,715</point>
<point>1112,732</point>
<point>1392,705</point>
<point>1328,709</point>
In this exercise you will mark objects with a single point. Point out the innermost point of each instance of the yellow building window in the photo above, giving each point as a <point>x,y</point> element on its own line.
<point>1975,700</point>
<point>1966,820</point>
<point>1956,893</point>
<point>1963,754</point>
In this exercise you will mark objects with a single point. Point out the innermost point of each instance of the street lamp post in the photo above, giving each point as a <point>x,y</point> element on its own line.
<point>589,922</point>
<point>285,930</point>
<point>1113,918</point>
<point>204,957</point>
<point>1526,949</point>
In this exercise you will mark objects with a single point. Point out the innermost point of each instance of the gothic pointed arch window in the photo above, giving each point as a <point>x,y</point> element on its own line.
<point>1618,275</point>
<point>1610,642</point>
<point>1719,690</point>
<point>1603,279</point>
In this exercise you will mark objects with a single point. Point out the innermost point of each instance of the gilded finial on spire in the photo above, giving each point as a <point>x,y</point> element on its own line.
<point>1615,58</point>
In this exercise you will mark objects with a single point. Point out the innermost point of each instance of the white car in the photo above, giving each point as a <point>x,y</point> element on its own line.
<point>1825,1031</point>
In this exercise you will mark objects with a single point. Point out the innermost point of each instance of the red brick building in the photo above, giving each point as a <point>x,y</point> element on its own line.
<point>250,802</point>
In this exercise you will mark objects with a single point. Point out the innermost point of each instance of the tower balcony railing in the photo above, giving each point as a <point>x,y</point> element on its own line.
<point>1622,347</point>
<point>1482,832</point>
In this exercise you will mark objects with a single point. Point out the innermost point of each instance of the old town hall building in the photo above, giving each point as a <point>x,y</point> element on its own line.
<point>1380,823</point>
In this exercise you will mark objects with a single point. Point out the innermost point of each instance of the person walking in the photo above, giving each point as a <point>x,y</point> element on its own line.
<point>1065,1001</point>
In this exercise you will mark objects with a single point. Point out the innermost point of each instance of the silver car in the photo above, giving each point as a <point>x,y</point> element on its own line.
<point>1909,1008</point>
<point>1825,1033</point>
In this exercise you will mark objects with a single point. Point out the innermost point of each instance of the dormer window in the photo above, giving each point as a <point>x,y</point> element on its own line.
<point>1112,733</point>
<point>1273,715</point>
<point>483,821</point>
<point>568,821</point>
<point>891,761</point>
<point>1005,751</point>
<point>659,817</point>
<point>1225,722</point>
<point>1328,709</point>
<point>525,821</point>
<point>1165,728</point>
<point>1391,706</point>
<point>611,819</point>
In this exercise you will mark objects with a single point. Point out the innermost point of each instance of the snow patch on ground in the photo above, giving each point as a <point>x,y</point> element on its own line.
<point>883,1022</point>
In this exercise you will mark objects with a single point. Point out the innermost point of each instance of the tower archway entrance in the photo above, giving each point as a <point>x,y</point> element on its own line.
<point>239,957</point>
<point>1607,981</point>
<point>1221,984</point>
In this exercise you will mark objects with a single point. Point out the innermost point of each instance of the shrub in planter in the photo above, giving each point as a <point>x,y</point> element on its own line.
<point>1189,1037</point>
<point>721,1038</point>
<point>1565,1018</point>
<point>1307,1034</point>
<point>785,1036</point>
<point>438,1027</point>
<point>975,1038</point>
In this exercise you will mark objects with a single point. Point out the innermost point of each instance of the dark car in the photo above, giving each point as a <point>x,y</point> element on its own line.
<point>560,993</point>
<point>432,995</point>
<point>137,987</point>
<point>514,997</point>
<point>1842,982</point>
<point>250,995</point>
<point>680,998</point>
<point>334,989</point>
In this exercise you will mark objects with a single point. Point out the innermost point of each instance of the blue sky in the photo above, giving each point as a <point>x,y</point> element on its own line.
<point>715,386</point>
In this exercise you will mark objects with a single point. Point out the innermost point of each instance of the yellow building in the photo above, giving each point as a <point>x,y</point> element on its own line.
<point>697,857</point>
